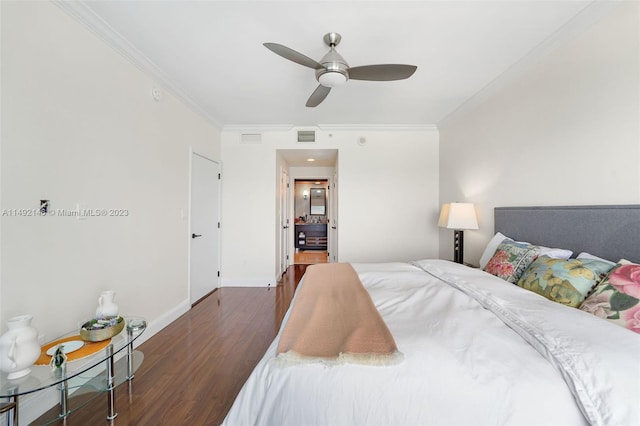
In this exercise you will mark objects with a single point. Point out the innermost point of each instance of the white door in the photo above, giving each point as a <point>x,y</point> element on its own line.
<point>284,221</point>
<point>205,233</point>
<point>333,220</point>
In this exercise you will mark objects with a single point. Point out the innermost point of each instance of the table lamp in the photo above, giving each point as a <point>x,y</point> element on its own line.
<point>458,216</point>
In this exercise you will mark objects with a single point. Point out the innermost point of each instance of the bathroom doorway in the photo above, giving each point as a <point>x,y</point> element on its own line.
<point>311,165</point>
<point>311,220</point>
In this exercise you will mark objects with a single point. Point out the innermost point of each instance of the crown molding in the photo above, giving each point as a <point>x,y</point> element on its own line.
<point>261,128</point>
<point>86,16</point>
<point>379,127</point>
<point>257,128</point>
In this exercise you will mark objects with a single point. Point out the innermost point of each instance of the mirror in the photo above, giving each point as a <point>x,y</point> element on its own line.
<point>318,202</point>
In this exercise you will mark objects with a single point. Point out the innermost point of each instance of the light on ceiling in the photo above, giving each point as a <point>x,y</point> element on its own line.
<point>311,159</point>
<point>332,79</point>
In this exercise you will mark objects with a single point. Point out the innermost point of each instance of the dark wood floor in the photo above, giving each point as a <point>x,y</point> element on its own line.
<point>194,368</point>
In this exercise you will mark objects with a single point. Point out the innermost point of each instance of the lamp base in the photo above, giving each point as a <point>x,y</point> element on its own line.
<point>458,246</point>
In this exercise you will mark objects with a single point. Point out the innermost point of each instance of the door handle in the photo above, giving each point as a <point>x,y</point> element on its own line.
<point>195,235</point>
<point>333,227</point>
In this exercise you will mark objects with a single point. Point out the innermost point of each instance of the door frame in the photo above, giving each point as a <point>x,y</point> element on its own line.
<point>192,152</point>
<point>284,220</point>
<point>330,186</point>
<point>332,225</point>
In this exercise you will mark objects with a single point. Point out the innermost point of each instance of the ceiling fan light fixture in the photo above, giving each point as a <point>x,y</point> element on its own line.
<point>332,79</point>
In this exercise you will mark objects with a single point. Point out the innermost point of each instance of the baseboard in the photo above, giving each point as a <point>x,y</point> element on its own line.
<point>33,405</point>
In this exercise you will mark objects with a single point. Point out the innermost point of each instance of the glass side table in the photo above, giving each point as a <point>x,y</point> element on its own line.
<point>96,373</point>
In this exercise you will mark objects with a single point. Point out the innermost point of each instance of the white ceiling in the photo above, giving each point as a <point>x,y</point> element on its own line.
<point>210,53</point>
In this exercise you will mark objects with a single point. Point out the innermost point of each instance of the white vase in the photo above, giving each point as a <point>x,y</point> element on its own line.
<point>106,305</point>
<point>19,347</point>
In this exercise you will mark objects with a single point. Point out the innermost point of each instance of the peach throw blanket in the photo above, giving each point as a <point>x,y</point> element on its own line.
<point>334,319</point>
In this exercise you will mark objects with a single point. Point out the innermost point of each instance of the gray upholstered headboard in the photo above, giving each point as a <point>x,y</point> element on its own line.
<point>610,232</point>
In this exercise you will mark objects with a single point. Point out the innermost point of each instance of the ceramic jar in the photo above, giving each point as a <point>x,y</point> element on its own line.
<point>19,347</point>
<point>106,305</point>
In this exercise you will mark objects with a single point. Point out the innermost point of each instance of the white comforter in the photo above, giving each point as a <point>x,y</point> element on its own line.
<point>477,350</point>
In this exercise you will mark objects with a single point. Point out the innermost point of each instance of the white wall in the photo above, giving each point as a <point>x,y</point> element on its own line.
<point>566,132</point>
<point>250,181</point>
<point>79,125</point>
<point>387,199</point>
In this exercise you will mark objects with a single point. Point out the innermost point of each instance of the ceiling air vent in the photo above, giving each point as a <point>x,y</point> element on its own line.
<point>306,136</point>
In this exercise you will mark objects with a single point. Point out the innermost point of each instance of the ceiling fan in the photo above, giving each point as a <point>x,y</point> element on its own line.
<point>332,70</point>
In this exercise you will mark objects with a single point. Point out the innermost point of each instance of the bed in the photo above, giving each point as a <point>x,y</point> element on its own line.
<point>476,349</point>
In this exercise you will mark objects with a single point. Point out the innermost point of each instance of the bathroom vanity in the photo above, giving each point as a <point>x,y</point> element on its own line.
<point>311,236</point>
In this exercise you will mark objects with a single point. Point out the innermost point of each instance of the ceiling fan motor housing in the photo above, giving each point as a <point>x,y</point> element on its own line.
<point>335,71</point>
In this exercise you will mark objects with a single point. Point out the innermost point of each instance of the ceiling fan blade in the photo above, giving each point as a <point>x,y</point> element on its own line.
<point>318,95</point>
<point>292,55</point>
<point>387,72</point>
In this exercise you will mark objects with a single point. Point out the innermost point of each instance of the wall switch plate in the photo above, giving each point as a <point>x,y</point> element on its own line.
<point>44,207</point>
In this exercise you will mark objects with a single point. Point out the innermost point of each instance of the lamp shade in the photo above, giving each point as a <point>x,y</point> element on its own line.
<point>458,216</point>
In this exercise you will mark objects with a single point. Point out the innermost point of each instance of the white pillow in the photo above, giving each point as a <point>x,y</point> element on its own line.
<point>490,249</point>
<point>555,253</point>
<point>585,255</point>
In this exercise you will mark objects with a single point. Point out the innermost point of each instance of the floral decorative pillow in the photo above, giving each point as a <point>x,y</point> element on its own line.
<point>617,297</point>
<point>511,259</point>
<point>563,281</point>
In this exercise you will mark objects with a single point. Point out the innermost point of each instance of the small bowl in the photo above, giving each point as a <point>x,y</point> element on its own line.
<point>100,334</point>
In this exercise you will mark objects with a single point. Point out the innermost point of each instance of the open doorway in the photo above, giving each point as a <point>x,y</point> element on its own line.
<point>313,165</point>
<point>311,220</point>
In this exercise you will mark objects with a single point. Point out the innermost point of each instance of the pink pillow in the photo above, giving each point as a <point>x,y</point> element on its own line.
<point>617,297</point>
